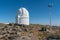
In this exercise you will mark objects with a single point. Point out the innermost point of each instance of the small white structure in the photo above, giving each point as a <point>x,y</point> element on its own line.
<point>22,16</point>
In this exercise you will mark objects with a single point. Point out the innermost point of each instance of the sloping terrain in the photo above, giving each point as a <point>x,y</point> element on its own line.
<point>23,32</point>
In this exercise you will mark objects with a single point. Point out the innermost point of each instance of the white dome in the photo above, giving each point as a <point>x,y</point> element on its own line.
<point>23,12</point>
<point>22,16</point>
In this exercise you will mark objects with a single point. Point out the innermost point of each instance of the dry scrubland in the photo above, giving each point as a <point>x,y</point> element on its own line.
<point>31,32</point>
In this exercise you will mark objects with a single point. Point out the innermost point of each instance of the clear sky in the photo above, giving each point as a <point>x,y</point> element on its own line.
<point>38,10</point>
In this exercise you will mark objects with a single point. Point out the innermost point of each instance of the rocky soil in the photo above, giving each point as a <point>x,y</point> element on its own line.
<point>23,32</point>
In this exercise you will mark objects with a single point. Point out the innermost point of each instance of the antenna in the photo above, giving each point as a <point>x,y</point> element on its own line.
<point>50,12</point>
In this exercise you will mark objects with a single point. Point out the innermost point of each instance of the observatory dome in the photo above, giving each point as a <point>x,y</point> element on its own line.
<point>23,12</point>
<point>22,16</point>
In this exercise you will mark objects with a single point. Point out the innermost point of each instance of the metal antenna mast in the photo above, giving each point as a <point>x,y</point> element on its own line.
<point>50,11</point>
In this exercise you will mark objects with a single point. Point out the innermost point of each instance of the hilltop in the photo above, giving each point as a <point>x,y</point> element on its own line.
<point>24,32</point>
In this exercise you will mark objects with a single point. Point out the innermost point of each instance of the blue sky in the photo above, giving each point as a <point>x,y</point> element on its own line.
<point>38,10</point>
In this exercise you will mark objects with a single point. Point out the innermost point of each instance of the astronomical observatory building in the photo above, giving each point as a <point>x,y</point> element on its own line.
<point>22,16</point>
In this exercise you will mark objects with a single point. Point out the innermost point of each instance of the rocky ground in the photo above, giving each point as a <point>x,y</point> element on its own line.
<point>23,32</point>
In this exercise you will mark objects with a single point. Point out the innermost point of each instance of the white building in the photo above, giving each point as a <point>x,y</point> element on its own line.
<point>22,16</point>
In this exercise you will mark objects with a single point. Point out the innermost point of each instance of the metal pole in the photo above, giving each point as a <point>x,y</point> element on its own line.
<point>50,13</point>
<point>50,16</point>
